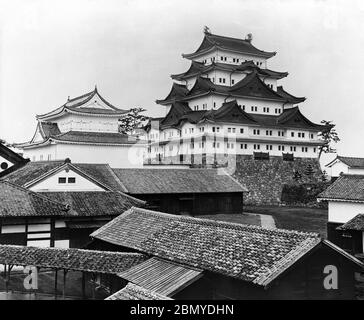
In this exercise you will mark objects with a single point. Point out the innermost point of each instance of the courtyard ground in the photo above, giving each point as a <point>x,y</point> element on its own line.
<point>295,218</point>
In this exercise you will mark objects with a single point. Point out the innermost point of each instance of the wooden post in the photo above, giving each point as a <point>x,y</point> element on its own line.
<point>83,285</point>
<point>94,286</point>
<point>64,283</point>
<point>55,282</point>
<point>9,270</point>
<point>6,278</point>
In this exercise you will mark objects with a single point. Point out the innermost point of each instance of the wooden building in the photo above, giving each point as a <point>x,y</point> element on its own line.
<point>345,199</point>
<point>56,219</point>
<point>192,258</point>
<point>93,265</point>
<point>184,191</point>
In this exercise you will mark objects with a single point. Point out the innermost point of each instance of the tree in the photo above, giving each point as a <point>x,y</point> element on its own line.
<point>297,176</point>
<point>324,177</point>
<point>132,120</point>
<point>309,171</point>
<point>328,135</point>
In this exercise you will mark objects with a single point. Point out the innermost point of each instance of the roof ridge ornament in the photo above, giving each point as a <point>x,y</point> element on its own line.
<point>249,37</point>
<point>206,30</point>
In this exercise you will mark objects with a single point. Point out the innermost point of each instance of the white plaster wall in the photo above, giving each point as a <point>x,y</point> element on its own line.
<point>342,212</point>
<point>87,123</point>
<point>116,156</point>
<point>51,183</point>
<point>43,153</point>
<point>355,171</point>
<point>338,168</point>
<point>229,58</point>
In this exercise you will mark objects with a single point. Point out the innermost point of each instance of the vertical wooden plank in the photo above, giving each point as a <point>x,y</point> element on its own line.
<point>64,283</point>
<point>83,285</point>
<point>55,282</point>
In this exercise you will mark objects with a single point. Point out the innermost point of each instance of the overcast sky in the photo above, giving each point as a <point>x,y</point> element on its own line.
<point>50,50</point>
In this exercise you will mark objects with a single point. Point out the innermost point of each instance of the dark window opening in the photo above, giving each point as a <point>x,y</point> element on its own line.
<point>72,180</point>
<point>287,156</point>
<point>62,180</point>
<point>261,155</point>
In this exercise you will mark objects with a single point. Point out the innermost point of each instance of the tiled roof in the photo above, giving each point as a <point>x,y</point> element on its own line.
<point>353,162</point>
<point>90,204</point>
<point>75,105</point>
<point>161,276</point>
<point>134,292</point>
<point>290,98</point>
<point>177,92</point>
<point>357,223</point>
<point>245,252</point>
<point>35,170</point>
<point>95,137</point>
<point>347,187</point>
<point>71,259</point>
<point>253,86</point>
<point>229,112</point>
<point>198,68</point>
<point>49,129</point>
<point>288,118</point>
<point>16,201</point>
<point>156,181</point>
<point>177,110</point>
<point>231,44</point>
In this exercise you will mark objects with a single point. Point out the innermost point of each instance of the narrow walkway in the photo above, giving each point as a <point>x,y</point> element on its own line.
<point>267,221</point>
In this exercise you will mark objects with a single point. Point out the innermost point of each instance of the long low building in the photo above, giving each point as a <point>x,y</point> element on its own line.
<point>178,191</point>
<point>188,191</point>
<point>192,258</point>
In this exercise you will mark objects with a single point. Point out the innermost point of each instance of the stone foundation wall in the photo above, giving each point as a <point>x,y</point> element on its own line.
<point>265,178</point>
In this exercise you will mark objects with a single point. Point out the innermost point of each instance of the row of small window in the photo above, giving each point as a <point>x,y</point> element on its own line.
<point>269,147</point>
<point>302,135</point>
<point>204,107</point>
<point>265,109</point>
<point>49,157</point>
<point>62,180</point>
<point>268,132</point>
<point>229,145</point>
<point>235,60</point>
<point>153,135</point>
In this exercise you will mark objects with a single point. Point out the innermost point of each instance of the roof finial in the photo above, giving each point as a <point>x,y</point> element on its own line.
<point>95,88</point>
<point>68,99</point>
<point>249,37</point>
<point>206,29</point>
